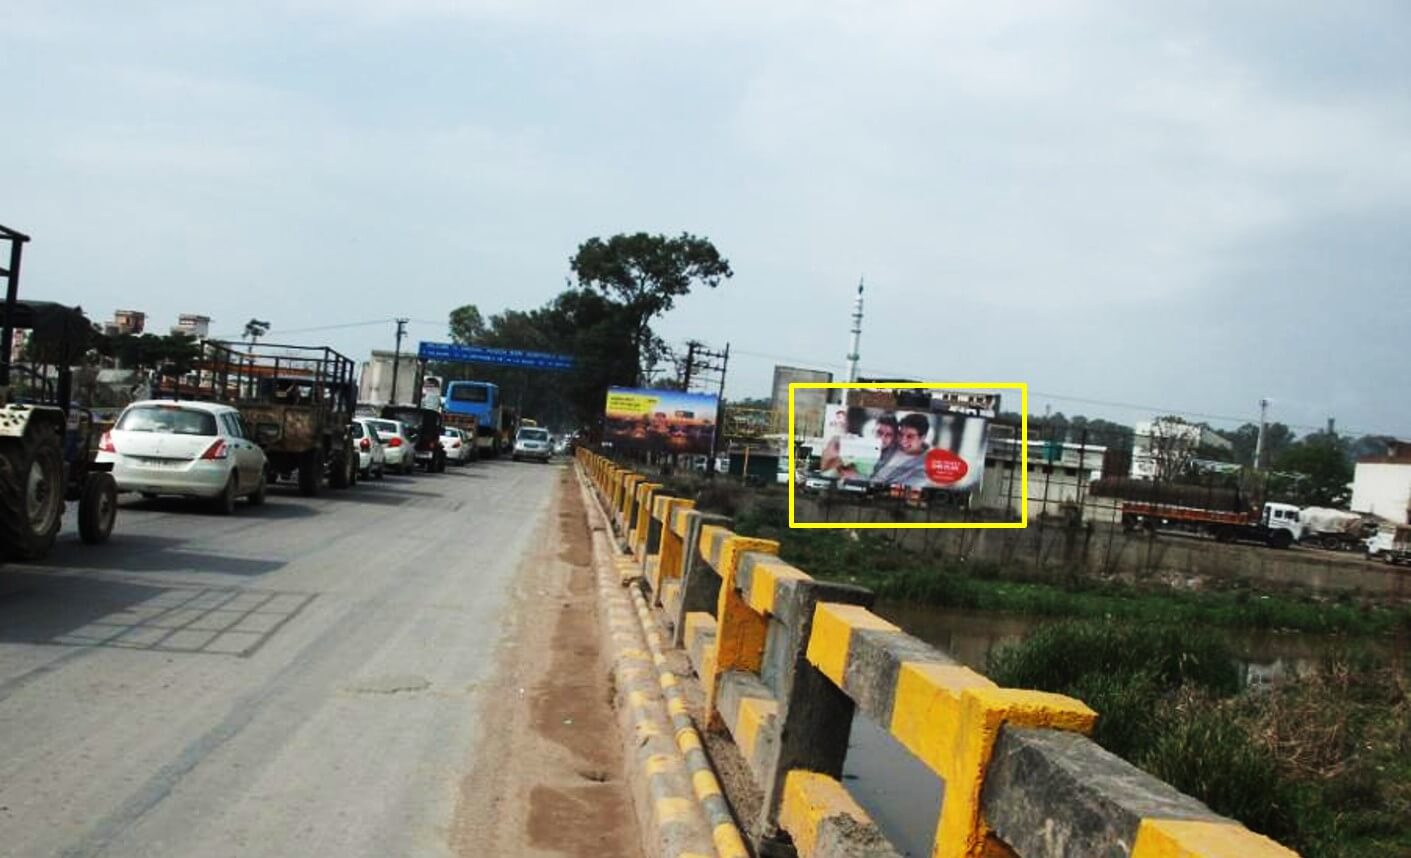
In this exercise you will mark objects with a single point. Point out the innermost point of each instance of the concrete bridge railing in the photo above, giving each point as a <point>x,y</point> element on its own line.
<point>787,660</point>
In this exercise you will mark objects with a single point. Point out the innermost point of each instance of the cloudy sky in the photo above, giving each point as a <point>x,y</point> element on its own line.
<point>1181,206</point>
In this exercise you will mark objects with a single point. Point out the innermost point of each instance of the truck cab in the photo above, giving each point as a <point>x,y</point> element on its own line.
<point>1276,517</point>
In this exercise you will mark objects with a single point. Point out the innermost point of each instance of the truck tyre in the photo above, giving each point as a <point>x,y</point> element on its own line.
<point>311,473</point>
<point>97,508</point>
<point>339,468</point>
<point>31,493</point>
<point>1280,539</point>
<point>438,461</point>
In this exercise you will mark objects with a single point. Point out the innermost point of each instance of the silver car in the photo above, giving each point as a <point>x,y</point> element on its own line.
<point>532,443</point>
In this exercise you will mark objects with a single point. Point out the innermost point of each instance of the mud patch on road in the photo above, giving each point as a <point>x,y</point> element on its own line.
<point>549,775</point>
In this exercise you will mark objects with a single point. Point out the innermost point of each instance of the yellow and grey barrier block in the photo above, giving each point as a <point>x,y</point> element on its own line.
<point>825,822</point>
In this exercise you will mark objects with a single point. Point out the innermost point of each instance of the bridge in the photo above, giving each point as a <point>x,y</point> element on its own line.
<point>511,659</point>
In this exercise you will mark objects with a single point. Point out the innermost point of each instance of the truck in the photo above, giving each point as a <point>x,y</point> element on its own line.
<point>481,400</point>
<point>1224,513</point>
<point>1400,549</point>
<point>48,442</point>
<point>296,401</point>
<point>1335,529</point>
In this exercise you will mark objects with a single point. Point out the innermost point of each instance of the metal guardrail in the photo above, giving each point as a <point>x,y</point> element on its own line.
<point>787,660</point>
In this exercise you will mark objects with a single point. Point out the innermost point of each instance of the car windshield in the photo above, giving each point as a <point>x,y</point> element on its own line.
<point>168,419</point>
<point>533,435</point>
<point>384,428</point>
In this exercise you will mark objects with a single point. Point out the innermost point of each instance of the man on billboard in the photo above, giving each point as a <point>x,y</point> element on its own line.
<point>886,432</point>
<point>907,466</point>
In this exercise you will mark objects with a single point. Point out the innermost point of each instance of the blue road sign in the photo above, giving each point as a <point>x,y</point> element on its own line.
<point>455,353</point>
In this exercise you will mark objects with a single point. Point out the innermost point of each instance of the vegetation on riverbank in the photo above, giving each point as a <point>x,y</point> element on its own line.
<point>1322,764</point>
<point>899,574</point>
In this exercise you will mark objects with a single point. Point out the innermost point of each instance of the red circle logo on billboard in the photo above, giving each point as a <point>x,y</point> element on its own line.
<point>945,467</point>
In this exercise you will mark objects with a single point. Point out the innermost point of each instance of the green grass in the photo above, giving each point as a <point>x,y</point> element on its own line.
<point>902,575</point>
<point>1322,765</point>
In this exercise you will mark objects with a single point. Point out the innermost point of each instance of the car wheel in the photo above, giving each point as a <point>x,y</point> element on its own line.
<point>381,472</point>
<point>225,501</point>
<point>257,497</point>
<point>150,495</point>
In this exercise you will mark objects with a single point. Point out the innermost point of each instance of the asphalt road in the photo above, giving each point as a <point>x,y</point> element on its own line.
<point>297,679</point>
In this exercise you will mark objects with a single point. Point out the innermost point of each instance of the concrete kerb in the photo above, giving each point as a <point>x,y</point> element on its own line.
<point>672,821</point>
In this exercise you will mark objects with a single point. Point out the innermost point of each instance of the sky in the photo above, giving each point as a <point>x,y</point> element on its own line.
<point>1135,208</point>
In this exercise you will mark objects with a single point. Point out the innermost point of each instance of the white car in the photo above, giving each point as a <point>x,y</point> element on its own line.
<point>459,446</point>
<point>189,449</point>
<point>532,443</point>
<point>398,448</point>
<point>372,456</point>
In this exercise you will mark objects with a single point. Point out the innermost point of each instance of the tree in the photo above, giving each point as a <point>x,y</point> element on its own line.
<point>467,325</point>
<point>645,274</point>
<point>1320,461</point>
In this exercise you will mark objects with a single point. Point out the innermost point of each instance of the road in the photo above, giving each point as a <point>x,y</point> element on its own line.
<point>297,679</point>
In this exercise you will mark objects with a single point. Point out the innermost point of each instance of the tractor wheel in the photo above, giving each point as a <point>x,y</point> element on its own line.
<point>97,508</point>
<point>31,493</point>
<point>311,473</point>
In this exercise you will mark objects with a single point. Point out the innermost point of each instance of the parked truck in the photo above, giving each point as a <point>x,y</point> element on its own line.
<point>1335,529</point>
<point>297,402</point>
<point>1223,513</point>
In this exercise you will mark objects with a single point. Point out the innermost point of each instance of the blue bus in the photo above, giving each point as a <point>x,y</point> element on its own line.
<point>482,399</point>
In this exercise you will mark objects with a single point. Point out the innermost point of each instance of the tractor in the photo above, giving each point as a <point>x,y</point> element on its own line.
<point>47,442</point>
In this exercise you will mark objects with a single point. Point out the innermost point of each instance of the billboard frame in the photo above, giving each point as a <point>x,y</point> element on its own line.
<point>1021,386</point>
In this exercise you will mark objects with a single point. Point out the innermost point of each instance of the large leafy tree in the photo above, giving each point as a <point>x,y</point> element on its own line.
<point>1320,469</point>
<point>645,274</point>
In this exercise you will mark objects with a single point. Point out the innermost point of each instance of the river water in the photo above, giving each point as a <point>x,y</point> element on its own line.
<point>904,797</point>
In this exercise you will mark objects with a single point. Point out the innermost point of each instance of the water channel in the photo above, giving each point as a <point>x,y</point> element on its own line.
<point>904,797</point>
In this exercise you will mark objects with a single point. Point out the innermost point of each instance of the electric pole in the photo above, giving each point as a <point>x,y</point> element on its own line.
<point>397,357</point>
<point>1259,442</point>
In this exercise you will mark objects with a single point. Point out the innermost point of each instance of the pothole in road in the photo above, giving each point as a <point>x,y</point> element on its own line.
<point>390,685</point>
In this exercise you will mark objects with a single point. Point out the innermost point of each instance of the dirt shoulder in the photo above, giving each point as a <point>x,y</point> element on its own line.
<point>549,774</point>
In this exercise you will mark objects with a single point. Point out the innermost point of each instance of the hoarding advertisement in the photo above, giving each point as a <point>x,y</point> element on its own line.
<point>667,421</point>
<point>940,448</point>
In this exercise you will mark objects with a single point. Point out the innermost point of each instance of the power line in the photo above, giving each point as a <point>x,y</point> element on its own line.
<point>339,327</point>
<point>1104,403</point>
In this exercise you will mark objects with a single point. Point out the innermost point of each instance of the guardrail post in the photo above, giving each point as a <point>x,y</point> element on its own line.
<point>699,587</point>
<point>666,542</point>
<point>740,632</point>
<point>815,715</point>
<point>642,519</point>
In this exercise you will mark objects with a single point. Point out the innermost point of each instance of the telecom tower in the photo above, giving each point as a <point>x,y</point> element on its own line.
<point>853,354</point>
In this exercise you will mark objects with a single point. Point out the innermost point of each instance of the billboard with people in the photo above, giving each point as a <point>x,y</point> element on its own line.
<point>940,445</point>
<point>665,421</point>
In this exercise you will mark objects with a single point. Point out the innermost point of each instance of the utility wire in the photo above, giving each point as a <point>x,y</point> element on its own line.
<point>1058,397</point>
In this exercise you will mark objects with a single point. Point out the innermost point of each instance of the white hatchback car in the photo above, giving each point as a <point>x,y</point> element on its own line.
<point>190,449</point>
<point>398,448</point>
<point>459,446</point>
<point>372,456</point>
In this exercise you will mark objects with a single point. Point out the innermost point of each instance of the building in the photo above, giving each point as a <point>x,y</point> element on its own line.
<point>1164,447</point>
<point>1059,476</point>
<point>1381,485</point>
<point>191,325</point>
<point>126,322</point>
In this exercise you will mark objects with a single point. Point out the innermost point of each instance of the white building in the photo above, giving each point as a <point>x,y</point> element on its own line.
<point>1059,476</point>
<point>1381,485</point>
<point>193,326</point>
<point>1163,444</point>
